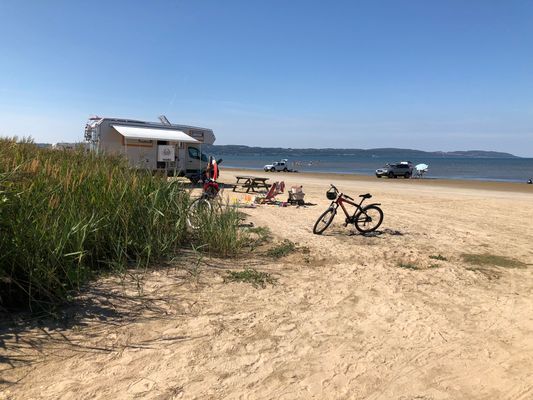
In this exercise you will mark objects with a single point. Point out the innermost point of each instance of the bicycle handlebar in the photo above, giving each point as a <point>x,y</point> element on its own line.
<point>342,194</point>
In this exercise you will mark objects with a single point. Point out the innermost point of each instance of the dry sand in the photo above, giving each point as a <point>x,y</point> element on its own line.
<point>344,321</point>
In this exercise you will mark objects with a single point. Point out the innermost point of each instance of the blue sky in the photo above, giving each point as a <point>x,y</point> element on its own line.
<point>431,75</point>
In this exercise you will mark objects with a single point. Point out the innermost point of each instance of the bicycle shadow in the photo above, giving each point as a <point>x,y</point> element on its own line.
<point>341,232</point>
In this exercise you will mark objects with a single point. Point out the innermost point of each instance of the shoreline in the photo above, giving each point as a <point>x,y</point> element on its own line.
<point>359,173</point>
<point>437,182</point>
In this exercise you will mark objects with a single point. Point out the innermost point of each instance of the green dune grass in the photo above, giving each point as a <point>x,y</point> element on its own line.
<point>67,216</point>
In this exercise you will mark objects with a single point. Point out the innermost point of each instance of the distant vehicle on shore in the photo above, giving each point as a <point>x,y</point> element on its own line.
<point>277,166</point>
<point>403,168</point>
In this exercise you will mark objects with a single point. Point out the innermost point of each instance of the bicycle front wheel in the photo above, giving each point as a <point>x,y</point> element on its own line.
<point>368,219</point>
<point>198,210</point>
<point>324,221</point>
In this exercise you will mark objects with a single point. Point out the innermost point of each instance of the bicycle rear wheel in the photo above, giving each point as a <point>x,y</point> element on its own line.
<point>368,219</point>
<point>324,221</point>
<point>198,210</point>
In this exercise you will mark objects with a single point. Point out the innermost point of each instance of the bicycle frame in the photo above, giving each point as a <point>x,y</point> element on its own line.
<point>341,199</point>
<point>210,189</point>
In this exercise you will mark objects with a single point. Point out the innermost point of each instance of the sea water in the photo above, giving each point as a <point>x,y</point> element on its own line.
<point>490,169</point>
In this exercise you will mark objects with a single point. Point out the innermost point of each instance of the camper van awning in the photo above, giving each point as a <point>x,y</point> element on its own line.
<point>134,132</point>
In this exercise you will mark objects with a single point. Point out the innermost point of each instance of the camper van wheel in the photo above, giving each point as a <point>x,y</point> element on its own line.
<point>391,174</point>
<point>285,169</point>
<point>407,175</point>
<point>272,169</point>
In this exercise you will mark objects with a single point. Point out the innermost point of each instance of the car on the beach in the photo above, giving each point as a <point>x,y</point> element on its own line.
<point>404,168</point>
<point>277,166</point>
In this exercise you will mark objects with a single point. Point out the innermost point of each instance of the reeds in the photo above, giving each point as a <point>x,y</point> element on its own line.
<point>66,216</point>
<point>217,230</point>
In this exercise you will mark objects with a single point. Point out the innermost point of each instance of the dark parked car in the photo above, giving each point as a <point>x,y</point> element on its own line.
<point>404,168</point>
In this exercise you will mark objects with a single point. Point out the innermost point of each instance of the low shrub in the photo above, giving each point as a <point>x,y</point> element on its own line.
<point>282,249</point>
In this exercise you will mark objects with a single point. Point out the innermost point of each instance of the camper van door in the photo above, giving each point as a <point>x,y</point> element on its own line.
<point>194,159</point>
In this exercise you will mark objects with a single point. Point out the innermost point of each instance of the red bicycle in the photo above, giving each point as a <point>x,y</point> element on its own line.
<point>366,219</point>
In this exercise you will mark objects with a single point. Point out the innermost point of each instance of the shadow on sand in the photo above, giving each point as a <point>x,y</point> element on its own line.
<point>27,339</point>
<point>378,233</point>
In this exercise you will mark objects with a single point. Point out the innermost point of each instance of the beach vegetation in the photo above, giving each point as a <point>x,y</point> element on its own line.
<point>219,232</point>
<point>258,279</point>
<point>408,265</point>
<point>282,249</point>
<point>258,236</point>
<point>438,257</point>
<point>68,216</point>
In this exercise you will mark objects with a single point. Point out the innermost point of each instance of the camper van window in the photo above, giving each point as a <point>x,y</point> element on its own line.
<point>195,153</point>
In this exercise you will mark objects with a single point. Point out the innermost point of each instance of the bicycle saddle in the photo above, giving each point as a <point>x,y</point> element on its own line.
<point>365,196</point>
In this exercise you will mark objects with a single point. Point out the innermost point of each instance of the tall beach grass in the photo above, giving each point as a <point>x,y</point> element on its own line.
<point>66,216</point>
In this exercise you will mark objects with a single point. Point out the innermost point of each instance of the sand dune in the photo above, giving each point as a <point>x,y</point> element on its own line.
<point>344,320</point>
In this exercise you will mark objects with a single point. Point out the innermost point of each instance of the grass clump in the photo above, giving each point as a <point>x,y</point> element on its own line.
<point>282,249</point>
<point>256,278</point>
<point>408,265</point>
<point>263,233</point>
<point>258,236</point>
<point>219,231</point>
<point>438,257</point>
<point>487,260</point>
<point>67,216</point>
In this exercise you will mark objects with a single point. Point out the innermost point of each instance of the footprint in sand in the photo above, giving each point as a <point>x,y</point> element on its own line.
<point>141,386</point>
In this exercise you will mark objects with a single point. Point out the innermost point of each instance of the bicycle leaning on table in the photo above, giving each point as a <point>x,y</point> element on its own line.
<point>366,219</point>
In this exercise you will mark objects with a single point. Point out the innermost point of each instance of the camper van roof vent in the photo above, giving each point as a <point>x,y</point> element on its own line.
<point>164,120</point>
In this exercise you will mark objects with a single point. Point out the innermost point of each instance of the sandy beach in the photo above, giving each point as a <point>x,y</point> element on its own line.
<point>398,315</point>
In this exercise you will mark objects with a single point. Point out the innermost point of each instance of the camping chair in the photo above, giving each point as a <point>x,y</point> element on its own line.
<point>296,196</point>
<point>275,189</point>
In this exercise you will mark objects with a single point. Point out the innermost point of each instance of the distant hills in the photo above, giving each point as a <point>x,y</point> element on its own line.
<point>380,152</point>
<point>393,153</point>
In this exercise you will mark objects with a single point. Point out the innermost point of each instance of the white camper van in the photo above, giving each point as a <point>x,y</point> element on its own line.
<point>174,149</point>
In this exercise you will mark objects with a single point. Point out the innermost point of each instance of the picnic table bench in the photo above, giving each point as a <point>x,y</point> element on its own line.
<point>251,183</point>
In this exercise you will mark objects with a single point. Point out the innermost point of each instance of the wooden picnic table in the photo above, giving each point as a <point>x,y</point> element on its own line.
<point>251,182</point>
